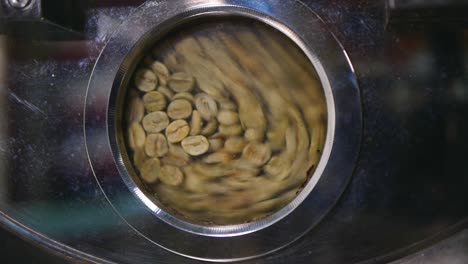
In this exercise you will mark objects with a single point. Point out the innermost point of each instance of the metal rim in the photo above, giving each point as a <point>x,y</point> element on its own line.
<point>114,122</point>
<point>239,241</point>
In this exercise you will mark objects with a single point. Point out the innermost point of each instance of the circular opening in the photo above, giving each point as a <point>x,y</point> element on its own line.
<point>222,121</point>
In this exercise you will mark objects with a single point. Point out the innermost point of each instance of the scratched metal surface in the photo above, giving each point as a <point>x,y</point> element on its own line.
<point>408,189</point>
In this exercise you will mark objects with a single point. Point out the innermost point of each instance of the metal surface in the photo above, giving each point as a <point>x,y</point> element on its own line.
<point>19,9</point>
<point>451,250</point>
<point>433,14</point>
<point>407,192</point>
<point>19,3</point>
<point>43,19</point>
<point>412,4</point>
<point>111,74</point>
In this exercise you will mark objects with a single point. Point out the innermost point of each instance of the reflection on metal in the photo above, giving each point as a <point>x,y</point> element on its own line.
<point>42,19</point>
<point>3,118</point>
<point>412,4</point>
<point>19,3</point>
<point>435,13</point>
<point>112,71</point>
<point>409,186</point>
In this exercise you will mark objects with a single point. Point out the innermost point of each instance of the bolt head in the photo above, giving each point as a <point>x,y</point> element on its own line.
<point>20,4</point>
